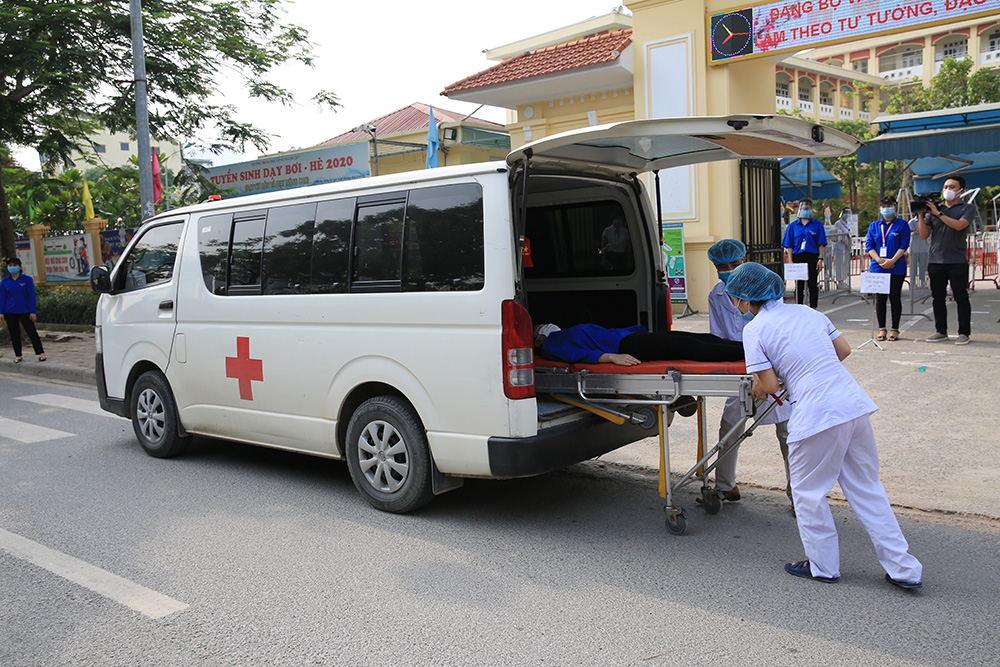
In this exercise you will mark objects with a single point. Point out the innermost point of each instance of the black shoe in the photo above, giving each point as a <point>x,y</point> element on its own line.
<point>908,585</point>
<point>801,569</point>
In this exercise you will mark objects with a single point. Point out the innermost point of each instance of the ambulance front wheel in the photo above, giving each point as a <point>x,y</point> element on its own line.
<point>154,417</point>
<point>388,456</point>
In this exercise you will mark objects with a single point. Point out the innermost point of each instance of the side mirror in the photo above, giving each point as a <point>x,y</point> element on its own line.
<point>100,279</point>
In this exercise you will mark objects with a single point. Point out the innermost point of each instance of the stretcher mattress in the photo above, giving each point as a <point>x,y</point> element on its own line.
<point>649,367</point>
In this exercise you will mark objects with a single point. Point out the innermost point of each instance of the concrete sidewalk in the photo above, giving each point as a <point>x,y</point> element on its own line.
<point>938,425</point>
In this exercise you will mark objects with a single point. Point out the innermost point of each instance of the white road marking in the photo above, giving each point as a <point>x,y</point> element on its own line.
<point>24,432</point>
<point>67,402</point>
<point>138,598</point>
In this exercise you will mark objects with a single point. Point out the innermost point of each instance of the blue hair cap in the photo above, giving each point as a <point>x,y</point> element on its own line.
<point>727,250</point>
<point>755,282</point>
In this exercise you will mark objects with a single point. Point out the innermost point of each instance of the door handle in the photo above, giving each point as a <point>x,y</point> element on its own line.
<point>167,305</point>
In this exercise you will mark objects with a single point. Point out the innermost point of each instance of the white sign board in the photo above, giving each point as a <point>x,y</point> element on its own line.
<point>325,165</point>
<point>797,271</point>
<point>875,283</point>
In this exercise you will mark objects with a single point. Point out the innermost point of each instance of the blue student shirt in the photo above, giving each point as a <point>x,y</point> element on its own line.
<point>17,296</point>
<point>585,342</point>
<point>724,321</point>
<point>797,343</point>
<point>806,237</point>
<point>893,235</point>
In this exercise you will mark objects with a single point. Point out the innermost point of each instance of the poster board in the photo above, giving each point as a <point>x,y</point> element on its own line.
<point>674,261</point>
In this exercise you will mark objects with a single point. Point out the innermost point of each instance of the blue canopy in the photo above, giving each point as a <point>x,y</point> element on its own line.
<point>941,144</point>
<point>794,180</point>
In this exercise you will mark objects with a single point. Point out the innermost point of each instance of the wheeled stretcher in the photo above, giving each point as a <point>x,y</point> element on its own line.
<point>649,394</point>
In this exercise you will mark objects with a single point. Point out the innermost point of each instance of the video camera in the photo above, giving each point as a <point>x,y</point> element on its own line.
<point>919,202</point>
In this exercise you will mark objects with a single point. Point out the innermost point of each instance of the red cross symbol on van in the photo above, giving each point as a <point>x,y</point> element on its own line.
<point>244,369</point>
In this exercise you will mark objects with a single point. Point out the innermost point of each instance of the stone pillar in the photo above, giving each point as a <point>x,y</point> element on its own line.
<point>92,230</point>
<point>35,234</point>
<point>673,78</point>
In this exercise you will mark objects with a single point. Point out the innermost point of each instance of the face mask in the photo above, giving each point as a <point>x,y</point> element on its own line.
<point>724,276</point>
<point>805,213</point>
<point>949,195</point>
<point>14,270</point>
<point>747,315</point>
<point>887,212</point>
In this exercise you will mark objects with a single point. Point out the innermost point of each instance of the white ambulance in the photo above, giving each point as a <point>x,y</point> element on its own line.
<point>388,321</point>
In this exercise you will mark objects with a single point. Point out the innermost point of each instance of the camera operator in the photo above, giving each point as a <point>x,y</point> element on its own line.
<point>945,228</point>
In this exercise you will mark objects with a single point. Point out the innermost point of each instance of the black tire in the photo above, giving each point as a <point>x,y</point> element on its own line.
<point>676,524</point>
<point>154,417</point>
<point>388,456</point>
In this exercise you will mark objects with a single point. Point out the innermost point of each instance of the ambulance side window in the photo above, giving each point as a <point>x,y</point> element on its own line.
<point>245,258</point>
<point>287,248</point>
<point>151,260</point>
<point>378,243</point>
<point>444,239</point>
<point>331,246</point>
<point>213,248</point>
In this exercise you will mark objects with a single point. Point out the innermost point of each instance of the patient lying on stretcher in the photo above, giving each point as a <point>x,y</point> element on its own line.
<point>594,344</point>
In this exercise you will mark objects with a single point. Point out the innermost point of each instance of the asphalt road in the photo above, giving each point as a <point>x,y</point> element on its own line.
<point>234,555</point>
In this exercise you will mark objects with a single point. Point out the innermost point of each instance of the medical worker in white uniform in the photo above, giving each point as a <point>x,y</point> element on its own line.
<point>725,321</point>
<point>830,436</point>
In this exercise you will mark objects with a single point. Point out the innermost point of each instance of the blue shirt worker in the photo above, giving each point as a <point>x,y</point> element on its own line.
<point>804,243</point>
<point>830,436</point>
<point>17,299</point>
<point>886,244</point>
<point>726,322</point>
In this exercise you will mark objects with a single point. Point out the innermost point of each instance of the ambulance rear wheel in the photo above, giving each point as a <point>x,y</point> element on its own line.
<point>388,456</point>
<point>154,417</point>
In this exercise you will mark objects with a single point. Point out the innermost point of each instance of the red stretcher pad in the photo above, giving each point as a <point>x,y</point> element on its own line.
<point>652,367</point>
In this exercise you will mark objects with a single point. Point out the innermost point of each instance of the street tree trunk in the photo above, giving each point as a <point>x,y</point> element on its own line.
<point>7,248</point>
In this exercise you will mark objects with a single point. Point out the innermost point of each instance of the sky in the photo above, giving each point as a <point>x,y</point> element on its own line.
<point>381,55</point>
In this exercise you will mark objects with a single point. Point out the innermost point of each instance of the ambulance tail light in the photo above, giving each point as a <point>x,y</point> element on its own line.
<point>518,352</point>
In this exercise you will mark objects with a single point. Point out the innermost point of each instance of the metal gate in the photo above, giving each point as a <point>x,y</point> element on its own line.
<point>760,212</point>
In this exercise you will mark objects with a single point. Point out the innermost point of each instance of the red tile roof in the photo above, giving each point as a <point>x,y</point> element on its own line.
<point>413,117</point>
<point>604,47</point>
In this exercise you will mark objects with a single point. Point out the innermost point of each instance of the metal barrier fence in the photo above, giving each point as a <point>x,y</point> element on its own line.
<point>982,249</point>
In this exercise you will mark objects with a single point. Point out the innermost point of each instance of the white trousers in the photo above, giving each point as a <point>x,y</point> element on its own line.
<point>845,454</point>
<point>725,471</point>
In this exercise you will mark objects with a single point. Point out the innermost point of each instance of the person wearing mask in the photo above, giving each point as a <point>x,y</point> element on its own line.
<point>945,230</point>
<point>804,243</point>
<point>886,244</point>
<point>726,322</point>
<point>842,248</point>
<point>17,299</point>
<point>830,436</point>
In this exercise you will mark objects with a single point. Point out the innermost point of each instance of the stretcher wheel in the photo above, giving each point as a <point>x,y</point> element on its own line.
<point>676,523</point>
<point>711,501</point>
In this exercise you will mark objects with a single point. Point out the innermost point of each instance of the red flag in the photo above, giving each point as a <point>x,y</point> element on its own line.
<point>157,184</point>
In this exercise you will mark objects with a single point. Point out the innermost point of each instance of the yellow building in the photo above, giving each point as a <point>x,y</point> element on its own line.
<point>110,150</point>
<point>655,64</point>
<point>398,140</point>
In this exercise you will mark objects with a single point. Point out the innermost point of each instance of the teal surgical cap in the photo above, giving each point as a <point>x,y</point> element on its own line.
<point>727,250</point>
<point>755,282</point>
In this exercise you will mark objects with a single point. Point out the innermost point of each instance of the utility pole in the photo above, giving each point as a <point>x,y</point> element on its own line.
<point>146,209</point>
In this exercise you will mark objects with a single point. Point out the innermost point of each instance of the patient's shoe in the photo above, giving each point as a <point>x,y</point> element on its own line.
<point>685,406</point>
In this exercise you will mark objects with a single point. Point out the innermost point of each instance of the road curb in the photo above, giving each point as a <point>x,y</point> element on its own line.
<point>51,371</point>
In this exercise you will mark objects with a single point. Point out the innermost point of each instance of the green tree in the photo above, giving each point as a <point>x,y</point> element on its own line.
<point>951,87</point>
<point>66,69</point>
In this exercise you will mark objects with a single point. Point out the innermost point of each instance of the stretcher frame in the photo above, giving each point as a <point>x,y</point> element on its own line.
<point>631,397</point>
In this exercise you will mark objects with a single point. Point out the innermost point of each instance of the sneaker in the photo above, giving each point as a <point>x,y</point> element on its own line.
<point>908,585</point>
<point>936,337</point>
<point>801,569</point>
<point>962,340</point>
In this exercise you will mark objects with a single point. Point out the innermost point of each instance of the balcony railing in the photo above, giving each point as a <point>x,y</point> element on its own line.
<point>904,74</point>
<point>864,115</point>
<point>783,102</point>
<point>826,110</point>
<point>846,114</point>
<point>805,106</point>
<point>991,57</point>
